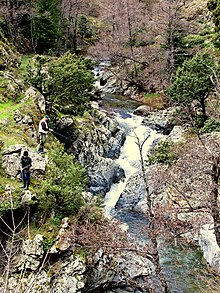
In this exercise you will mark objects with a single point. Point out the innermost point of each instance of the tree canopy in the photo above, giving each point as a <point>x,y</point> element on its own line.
<point>70,83</point>
<point>193,83</point>
<point>214,7</point>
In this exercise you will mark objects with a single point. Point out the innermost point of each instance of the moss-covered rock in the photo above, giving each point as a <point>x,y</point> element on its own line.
<point>9,57</point>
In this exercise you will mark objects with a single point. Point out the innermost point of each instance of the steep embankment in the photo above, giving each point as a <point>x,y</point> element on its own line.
<point>39,252</point>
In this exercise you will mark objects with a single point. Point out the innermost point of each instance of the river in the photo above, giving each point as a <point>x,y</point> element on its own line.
<point>184,267</point>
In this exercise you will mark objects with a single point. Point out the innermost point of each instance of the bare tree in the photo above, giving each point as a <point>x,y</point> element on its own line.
<point>194,179</point>
<point>12,233</point>
<point>153,222</point>
<point>169,25</point>
<point>13,13</point>
<point>71,11</point>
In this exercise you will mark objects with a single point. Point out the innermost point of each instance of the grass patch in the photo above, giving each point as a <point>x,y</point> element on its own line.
<point>154,100</point>
<point>7,109</point>
<point>48,230</point>
<point>24,62</point>
<point>10,133</point>
<point>8,181</point>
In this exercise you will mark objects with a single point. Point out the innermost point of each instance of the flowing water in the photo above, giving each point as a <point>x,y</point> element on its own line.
<point>185,269</point>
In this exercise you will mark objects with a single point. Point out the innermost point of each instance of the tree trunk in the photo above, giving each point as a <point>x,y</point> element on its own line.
<point>214,197</point>
<point>156,258</point>
<point>203,107</point>
<point>151,226</point>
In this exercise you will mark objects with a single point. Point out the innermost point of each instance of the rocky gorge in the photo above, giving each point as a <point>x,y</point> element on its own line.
<point>96,140</point>
<point>98,149</point>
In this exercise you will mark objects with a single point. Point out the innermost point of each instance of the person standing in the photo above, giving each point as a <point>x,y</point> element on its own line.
<point>43,130</point>
<point>25,163</point>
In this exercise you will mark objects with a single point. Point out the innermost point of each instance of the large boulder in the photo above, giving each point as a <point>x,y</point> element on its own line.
<point>9,57</point>
<point>32,254</point>
<point>209,246</point>
<point>102,174</point>
<point>161,121</point>
<point>143,110</point>
<point>71,276</point>
<point>38,98</point>
<point>11,160</point>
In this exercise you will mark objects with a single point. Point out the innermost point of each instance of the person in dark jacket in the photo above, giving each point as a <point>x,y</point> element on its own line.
<point>25,163</point>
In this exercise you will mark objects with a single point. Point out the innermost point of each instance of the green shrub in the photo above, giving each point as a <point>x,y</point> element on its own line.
<point>61,192</point>
<point>162,154</point>
<point>36,73</point>
<point>193,83</point>
<point>47,243</point>
<point>70,83</point>
<point>210,125</point>
<point>6,205</point>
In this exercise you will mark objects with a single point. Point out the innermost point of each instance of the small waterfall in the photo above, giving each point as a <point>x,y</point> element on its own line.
<point>129,158</point>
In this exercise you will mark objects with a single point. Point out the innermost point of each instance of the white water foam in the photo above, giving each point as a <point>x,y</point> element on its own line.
<point>129,158</point>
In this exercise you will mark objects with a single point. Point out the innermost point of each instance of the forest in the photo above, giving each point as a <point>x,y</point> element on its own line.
<point>163,54</point>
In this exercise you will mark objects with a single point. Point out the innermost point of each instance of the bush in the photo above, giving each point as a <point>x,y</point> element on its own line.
<point>210,125</point>
<point>162,154</point>
<point>193,84</point>
<point>61,192</point>
<point>36,73</point>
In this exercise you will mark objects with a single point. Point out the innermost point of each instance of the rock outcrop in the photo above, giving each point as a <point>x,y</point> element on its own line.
<point>161,121</point>
<point>70,273</point>
<point>95,141</point>
<point>11,160</point>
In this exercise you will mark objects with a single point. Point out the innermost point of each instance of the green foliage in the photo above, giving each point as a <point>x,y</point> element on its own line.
<point>192,82</point>
<point>47,243</point>
<point>92,210</point>
<point>194,40</point>
<point>25,62</point>
<point>7,110</point>
<point>70,83</point>
<point>154,100</point>
<point>36,74</point>
<point>49,230</point>
<point>162,154</point>
<point>46,25</point>
<point>62,190</point>
<point>214,7</point>
<point>210,126</point>
<point>6,206</point>
<point>86,31</point>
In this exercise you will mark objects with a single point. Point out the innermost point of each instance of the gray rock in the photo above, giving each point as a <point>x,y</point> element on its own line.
<point>143,110</point>
<point>132,266</point>
<point>37,96</point>
<point>177,134</point>
<point>18,116</point>
<point>32,254</point>
<point>71,277</point>
<point>27,196</point>
<point>133,193</point>
<point>209,246</point>
<point>27,120</point>
<point>161,121</point>
<point>11,161</point>
<point>11,164</point>
<point>102,174</point>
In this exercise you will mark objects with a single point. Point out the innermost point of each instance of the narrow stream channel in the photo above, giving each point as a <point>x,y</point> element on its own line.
<point>184,267</point>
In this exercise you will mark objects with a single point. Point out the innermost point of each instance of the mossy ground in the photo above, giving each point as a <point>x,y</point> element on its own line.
<point>154,100</point>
